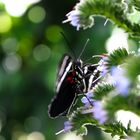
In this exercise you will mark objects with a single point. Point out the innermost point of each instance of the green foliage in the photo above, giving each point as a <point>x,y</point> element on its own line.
<point>119,129</point>
<point>102,90</point>
<point>123,93</point>
<point>117,57</point>
<point>133,66</point>
<point>31,48</point>
<point>80,120</point>
<point>120,85</point>
<point>136,3</point>
<point>112,10</point>
<point>114,101</point>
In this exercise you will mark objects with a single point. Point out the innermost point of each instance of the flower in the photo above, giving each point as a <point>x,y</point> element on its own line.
<point>67,126</point>
<point>102,66</point>
<point>78,20</point>
<point>122,82</point>
<point>99,113</point>
<point>88,100</point>
<point>73,18</point>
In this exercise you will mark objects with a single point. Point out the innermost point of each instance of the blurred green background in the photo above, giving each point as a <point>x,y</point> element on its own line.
<point>31,47</point>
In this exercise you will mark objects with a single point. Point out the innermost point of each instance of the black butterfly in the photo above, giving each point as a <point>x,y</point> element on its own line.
<point>73,79</point>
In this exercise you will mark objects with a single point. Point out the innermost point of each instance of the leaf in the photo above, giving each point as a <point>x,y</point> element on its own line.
<point>101,90</point>
<point>117,57</point>
<point>81,131</point>
<point>80,120</point>
<point>115,128</point>
<point>114,10</point>
<point>136,3</point>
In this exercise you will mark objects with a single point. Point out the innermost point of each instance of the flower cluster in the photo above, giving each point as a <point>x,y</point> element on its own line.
<point>97,110</point>
<point>78,19</point>
<point>87,100</point>
<point>117,73</point>
<point>67,126</point>
<point>99,113</point>
<point>122,83</point>
<point>102,66</point>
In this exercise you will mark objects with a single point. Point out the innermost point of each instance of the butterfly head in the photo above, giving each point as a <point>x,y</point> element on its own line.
<point>78,63</point>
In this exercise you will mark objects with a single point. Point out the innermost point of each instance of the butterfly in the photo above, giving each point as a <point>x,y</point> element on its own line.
<point>73,79</point>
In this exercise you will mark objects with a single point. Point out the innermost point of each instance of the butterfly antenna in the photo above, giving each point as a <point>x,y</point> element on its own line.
<point>83,48</point>
<point>88,59</point>
<point>96,56</point>
<point>68,44</point>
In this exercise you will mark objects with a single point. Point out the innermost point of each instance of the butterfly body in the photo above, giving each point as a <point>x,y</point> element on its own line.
<point>73,79</point>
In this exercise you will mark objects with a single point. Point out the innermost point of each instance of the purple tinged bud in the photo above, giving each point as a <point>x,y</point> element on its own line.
<point>89,94</point>
<point>102,66</point>
<point>99,113</point>
<point>88,100</point>
<point>67,126</point>
<point>79,20</point>
<point>73,18</point>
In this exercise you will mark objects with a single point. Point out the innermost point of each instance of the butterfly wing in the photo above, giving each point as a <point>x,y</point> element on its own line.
<point>63,100</point>
<point>66,59</point>
<point>65,90</point>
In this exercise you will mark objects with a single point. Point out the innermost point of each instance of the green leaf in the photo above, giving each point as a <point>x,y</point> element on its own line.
<point>114,10</point>
<point>117,128</point>
<point>117,57</point>
<point>80,120</point>
<point>136,3</point>
<point>102,90</point>
<point>81,131</point>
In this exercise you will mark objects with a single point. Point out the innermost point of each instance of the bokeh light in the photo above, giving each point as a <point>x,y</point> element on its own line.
<point>118,39</point>
<point>53,33</point>
<point>32,124</point>
<point>35,136</point>
<point>107,136</point>
<point>134,16</point>
<point>41,52</point>
<point>10,45</point>
<point>135,119</point>
<point>2,117</point>
<point>70,136</point>
<point>16,135</point>
<point>17,8</point>
<point>2,138</point>
<point>5,23</point>
<point>2,113</point>
<point>22,137</point>
<point>36,14</point>
<point>31,48</point>
<point>12,63</point>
